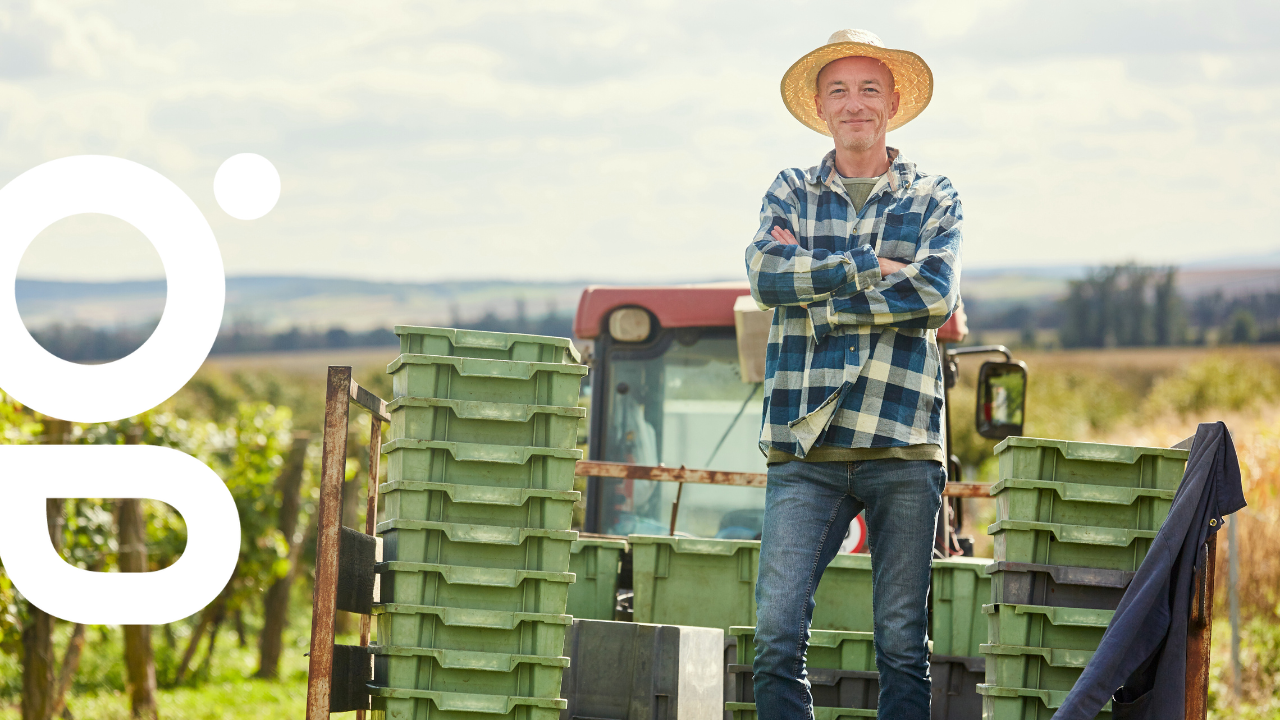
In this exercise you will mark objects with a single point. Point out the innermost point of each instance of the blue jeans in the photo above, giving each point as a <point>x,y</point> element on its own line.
<point>808,507</point>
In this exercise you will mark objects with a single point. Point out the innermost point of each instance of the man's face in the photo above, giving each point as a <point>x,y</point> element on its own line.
<point>856,98</point>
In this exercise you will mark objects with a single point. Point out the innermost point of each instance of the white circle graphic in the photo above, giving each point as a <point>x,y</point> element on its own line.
<point>192,314</point>
<point>246,186</point>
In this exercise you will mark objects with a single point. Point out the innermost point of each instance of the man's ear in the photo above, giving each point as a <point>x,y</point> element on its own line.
<point>817,106</point>
<point>893,103</point>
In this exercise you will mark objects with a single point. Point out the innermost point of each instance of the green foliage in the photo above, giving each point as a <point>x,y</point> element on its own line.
<point>1259,698</point>
<point>17,426</point>
<point>1217,382</point>
<point>248,453</point>
<point>226,694</point>
<point>1242,327</point>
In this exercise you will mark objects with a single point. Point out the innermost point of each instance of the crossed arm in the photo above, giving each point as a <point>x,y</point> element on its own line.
<point>887,266</point>
<point>846,288</point>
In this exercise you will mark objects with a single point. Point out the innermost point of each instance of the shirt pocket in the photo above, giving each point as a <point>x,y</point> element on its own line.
<point>900,237</point>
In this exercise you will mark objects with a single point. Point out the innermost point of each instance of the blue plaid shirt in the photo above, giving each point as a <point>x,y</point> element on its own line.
<point>859,366</point>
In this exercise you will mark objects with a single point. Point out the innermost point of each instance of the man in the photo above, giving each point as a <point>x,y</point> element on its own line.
<point>860,256</point>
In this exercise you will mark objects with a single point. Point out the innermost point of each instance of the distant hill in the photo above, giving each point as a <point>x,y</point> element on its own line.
<point>279,304</point>
<point>275,304</point>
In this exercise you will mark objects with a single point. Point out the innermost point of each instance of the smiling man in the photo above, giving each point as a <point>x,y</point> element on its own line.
<point>860,257</point>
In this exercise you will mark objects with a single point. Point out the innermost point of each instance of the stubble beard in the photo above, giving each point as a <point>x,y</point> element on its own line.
<point>862,143</point>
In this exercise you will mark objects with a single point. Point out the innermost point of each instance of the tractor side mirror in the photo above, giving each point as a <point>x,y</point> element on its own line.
<point>1002,389</point>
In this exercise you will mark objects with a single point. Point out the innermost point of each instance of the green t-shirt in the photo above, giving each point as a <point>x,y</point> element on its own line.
<point>859,189</point>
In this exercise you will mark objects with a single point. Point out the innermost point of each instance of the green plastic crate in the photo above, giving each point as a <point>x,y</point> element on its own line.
<point>467,629</point>
<point>1091,463</point>
<point>478,504</point>
<point>1002,703</point>
<point>961,585</point>
<point>494,381</point>
<point>517,591</point>
<point>703,582</point>
<point>830,649</point>
<point>403,704</point>
<point>747,711</point>
<point>708,582</point>
<point>486,423</point>
<point>415,340</point>
<point>476,464</point>
<point>1076,545</point>
<point>468,672</point>
<point>510,548</point>
<point>1018,666</point>
<point>594,564</point>
<point>1046,627</point>
<point>1050,501</point>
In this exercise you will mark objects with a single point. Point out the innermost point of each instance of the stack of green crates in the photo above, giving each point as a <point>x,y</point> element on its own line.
<point>475,524</point>
<point>595,563</point>
<point>828,649</point>
<point>1060,503</point>
<point>708,582</point>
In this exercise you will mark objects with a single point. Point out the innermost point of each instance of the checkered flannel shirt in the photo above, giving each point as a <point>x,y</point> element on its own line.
<point>859,366</point>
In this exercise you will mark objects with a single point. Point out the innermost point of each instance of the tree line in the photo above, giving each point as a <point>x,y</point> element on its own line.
<point>1133,305</point>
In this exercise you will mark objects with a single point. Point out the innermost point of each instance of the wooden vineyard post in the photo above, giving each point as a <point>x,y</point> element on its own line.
<point>1200,634</point>
<point>329,528</point>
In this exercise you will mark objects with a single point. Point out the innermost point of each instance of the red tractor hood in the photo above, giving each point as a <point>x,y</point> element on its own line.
<point>703,305</point>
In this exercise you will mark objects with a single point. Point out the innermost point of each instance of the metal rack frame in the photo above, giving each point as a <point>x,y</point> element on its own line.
<point>340,393</point>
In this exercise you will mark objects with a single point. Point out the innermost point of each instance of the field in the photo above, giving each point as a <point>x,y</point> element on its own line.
<point>1148,397</point>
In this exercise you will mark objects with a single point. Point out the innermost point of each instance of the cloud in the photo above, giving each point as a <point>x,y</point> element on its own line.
<point>633,141</point>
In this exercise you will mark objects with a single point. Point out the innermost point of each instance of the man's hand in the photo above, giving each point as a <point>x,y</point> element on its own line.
<point>887,266</point>
<point>783,236</point>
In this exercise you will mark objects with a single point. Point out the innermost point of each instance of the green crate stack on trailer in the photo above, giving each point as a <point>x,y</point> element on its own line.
<point>842,669</point>
<point>1073,522</point>
<point>594,562</point>
<point>708,582</point>
<point>475,522</point>
<point>960,587</point>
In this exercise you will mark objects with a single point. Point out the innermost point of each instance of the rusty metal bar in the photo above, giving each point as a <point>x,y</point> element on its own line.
<point>370,402</point>
<point>1200,634</point>
<point>599,468</point>
<point>329,528</point>
<point>967,490</point>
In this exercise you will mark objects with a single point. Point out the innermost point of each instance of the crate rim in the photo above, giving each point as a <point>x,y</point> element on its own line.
<point>1100,452</point>
<point>459,406</point>
<point>484,367</point>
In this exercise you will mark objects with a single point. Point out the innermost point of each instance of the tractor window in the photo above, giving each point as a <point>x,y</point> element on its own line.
<point>681,401</point>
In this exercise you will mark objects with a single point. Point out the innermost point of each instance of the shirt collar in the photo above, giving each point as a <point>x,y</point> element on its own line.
<point>901,171</point>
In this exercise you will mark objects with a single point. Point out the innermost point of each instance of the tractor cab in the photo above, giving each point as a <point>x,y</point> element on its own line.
<point>667,389</point>
<point>677,381</point>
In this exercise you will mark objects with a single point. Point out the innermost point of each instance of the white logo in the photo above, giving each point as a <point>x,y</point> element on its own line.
<point>246,187</point>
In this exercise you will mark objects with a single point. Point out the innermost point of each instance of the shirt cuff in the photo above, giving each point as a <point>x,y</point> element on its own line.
<point>865,269</point>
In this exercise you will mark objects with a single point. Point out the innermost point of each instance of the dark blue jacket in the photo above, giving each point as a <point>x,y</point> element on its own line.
<point>1144,651</point>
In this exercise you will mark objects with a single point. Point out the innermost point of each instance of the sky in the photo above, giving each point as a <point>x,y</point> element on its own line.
<point>632,142</point>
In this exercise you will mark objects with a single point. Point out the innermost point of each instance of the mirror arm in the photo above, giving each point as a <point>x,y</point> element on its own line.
<point>979,349</point>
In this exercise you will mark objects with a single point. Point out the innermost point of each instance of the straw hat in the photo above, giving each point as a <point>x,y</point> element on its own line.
<point>912,77</point>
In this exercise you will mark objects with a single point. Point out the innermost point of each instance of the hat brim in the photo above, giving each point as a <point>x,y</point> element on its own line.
<point>911,76</point>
